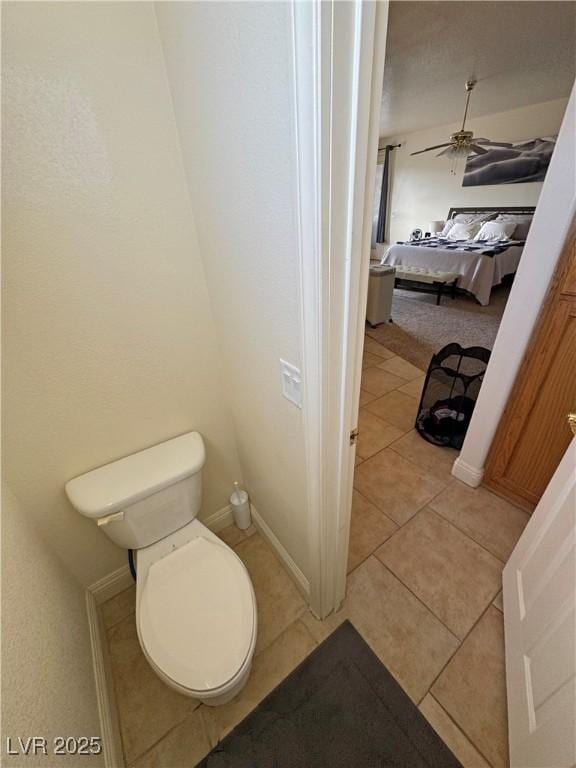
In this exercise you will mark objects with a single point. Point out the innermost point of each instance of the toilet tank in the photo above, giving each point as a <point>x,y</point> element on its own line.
<point>144,497</point>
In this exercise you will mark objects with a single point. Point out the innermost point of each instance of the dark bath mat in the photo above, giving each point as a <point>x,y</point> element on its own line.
<point>340,708</point>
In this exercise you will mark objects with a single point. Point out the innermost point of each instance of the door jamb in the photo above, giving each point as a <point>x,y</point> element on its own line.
<point>338,63</point>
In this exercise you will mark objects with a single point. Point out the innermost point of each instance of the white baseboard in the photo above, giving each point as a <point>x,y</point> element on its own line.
<point>219,520</point>
<point>298,577</point>
<point>111,585</point>
<point>110,731</point>
<point>470,475</point>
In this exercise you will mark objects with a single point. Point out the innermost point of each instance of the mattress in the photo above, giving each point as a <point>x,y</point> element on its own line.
<point>478,272</point>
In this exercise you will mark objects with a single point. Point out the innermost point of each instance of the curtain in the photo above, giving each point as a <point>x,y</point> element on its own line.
<point>383,210</point>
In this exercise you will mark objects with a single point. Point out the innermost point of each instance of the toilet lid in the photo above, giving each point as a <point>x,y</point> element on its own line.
<point>197,614</point>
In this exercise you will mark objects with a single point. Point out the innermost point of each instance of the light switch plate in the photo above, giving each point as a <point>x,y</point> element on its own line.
<point>291,383</point>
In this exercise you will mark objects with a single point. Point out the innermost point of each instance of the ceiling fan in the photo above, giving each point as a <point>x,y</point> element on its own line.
<point>462,143</point>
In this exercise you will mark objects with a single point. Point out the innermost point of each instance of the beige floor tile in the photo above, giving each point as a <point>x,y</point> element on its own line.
<point>147,708</point>
<point>365,397</point>
<point>452,575</point>
<point>404,634</point>
<point>472,688</point>
<point>377,382</point>
<point>369,360</point>
<point>498,602</point>
<point>450,734</point>
<point>268,670</point>
<point>232,535</point>
<point>414,387</point>
<point>374,434</point>
<point>396,408</point>
<point>434,459</point>
<point>395,485</point>
<point>183,747</point>
<point>407,637</point>
<point>375,348</point>
<point>279,602</point>
<point>486,518</point>
<point>118,607</point>
<point>357,460</point>
<point>320,630</point>
<point>400,367</point>
<point>369,527</point>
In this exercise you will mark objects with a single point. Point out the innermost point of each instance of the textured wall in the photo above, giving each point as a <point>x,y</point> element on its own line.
<point>109,345</point>
<point>47,676</point>
<point>229,66</point>
<point>422,188</point>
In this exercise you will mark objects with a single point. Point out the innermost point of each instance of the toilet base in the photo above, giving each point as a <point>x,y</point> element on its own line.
<point>224,698</point>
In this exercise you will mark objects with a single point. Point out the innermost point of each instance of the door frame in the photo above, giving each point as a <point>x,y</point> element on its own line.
<point>338,65</point>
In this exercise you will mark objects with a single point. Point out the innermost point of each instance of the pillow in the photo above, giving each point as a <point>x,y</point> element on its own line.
<point>463,231</point>
<point>469,218</point>
<point>447,227</point>
<point>496,230</point>
<point>522,221</point>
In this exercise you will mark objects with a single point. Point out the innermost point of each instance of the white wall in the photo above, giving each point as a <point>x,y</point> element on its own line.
<point>422,188</point>
<point>229,66</point>
<point>552,221</point>
<point>47,676</point>
<point>109,345</point>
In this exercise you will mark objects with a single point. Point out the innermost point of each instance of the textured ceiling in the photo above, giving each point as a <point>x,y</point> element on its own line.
<point>521,53</point>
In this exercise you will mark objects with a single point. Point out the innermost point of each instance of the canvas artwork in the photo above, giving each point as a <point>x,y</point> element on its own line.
<point>523,162</point>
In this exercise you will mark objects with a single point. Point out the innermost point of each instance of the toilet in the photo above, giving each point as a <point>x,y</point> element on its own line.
<point>195,605</point>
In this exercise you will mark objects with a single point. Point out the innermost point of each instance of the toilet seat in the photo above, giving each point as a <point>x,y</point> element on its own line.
<point>197,616</point>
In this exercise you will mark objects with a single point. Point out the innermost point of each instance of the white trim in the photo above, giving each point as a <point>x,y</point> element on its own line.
<point>470,475</point>
<point>294,571</point>
<point>110,732</point>
<point>219,520</point>
<point>307,110</point>
<point>338,53</point>
<point>368,73</point>
<point>110,585</point>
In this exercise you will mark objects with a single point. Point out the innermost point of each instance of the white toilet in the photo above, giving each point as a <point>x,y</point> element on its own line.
<point>195,605</point>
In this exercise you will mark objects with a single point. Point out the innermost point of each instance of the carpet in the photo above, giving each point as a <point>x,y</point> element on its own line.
<point>340,708</point>
<point>420,328</point>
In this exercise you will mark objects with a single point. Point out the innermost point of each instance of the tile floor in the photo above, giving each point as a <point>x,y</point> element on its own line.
<point>425,561</point>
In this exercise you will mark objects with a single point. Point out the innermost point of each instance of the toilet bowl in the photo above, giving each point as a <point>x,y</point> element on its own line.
<point>196,611</point>
<point>196,614</point>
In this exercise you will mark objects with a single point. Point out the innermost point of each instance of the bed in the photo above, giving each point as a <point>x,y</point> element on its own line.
<point>478,272</point>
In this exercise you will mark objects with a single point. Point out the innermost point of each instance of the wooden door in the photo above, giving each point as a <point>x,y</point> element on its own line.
<point>534,433</point>
<point>540,629</point>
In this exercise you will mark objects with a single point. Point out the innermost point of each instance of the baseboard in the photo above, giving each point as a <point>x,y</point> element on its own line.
<point>470,475</point>
<point>110,731</point>
<point>297,576</point>
<point>219,520</point>
<point>111,584</point>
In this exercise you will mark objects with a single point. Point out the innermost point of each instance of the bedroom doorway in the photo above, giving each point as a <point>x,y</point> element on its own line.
<point>410,579</point>
<point>421,578</point>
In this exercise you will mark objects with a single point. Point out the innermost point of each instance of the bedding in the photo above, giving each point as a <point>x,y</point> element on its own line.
<point>495,231</point>
<point>521,221</point>
<point>480,265</point>
<point>463,231</point>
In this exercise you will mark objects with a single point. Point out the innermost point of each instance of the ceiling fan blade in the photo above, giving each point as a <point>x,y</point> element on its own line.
<point>429,149</point>
<point>493,143</point>
<point>478,150</point>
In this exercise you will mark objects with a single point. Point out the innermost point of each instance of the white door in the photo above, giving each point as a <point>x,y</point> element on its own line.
<point>540,627</point>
